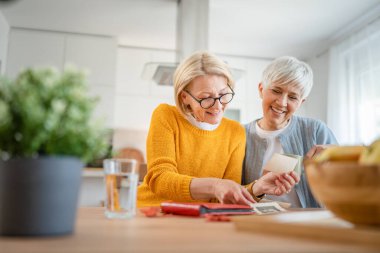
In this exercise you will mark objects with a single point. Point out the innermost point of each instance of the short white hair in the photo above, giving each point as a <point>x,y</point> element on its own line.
<point>289,71</point>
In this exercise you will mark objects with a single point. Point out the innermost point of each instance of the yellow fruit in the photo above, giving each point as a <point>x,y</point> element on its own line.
<point>371,155</point>
<point>340,153</point>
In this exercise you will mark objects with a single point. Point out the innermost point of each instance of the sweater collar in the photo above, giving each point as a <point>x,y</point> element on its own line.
<point>201,125</point>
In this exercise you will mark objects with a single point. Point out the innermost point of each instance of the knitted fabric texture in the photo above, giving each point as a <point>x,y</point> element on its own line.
<point>177,152</point>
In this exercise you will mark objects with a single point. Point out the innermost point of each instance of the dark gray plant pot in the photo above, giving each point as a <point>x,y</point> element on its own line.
<point>39,196</point>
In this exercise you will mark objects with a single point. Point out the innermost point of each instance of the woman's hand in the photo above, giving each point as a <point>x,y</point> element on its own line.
<point>316,150</point>
<point>230,192</point>
<point>275,184</point>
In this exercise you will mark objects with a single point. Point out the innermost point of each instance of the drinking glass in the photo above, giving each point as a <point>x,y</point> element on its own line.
<point>121,178</point>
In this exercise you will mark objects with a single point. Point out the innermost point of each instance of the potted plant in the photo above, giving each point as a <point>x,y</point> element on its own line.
<point>46,135</point>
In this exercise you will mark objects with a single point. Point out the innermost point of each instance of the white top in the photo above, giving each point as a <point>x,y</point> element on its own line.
<point>202,125</point>
<point>274,146</point>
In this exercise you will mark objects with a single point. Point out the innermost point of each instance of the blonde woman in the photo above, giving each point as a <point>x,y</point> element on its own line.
<point>193,152</point>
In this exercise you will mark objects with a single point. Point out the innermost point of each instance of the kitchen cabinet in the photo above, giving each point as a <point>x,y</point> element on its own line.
<point>129,71</point>
<point>29,48</point>
<point>94,54</point>
<point>97,54</point>
<point>4,31</point>
<point>93,191</point>
<point>137,95</point>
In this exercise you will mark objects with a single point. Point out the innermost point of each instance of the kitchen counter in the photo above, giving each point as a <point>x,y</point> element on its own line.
<point>98,172</point>
<point>94,233</point>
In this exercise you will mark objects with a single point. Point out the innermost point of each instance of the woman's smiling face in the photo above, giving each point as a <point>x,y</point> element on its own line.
<point>279,103</point>
<point>208,86</point>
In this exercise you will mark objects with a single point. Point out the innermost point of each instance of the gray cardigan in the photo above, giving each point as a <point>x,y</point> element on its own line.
<point>298,138</point>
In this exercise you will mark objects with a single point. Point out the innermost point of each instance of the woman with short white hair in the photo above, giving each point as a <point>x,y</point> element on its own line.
<point>286,82</point>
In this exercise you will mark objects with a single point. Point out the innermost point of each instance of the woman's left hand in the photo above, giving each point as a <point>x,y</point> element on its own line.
<point>316,150</point>
<point>275,184</point>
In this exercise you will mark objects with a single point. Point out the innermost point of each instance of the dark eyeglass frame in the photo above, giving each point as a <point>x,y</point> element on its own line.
<point>218,98</point>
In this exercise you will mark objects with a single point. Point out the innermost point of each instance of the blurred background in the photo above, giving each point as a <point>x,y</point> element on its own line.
<point>130,48</point>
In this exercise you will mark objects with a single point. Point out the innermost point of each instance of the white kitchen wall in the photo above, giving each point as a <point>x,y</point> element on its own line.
<point>4,33</point>
<point>131,138</point>
<point>253,108</point>
<point>247,98</point>
<point>315,105</point>
<point>239,100</point>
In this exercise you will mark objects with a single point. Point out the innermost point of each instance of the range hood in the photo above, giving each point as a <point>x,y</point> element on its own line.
<point>160,72</point>
<point>192,35</point>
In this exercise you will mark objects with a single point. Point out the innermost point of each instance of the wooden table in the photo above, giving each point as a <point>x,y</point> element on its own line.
<point>94,233</point>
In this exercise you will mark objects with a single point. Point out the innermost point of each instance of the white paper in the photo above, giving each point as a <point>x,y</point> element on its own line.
<point>281,163</point>
<point>302,216</point>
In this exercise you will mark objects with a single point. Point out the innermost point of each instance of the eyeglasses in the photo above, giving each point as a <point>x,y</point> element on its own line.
<point>207,103</point>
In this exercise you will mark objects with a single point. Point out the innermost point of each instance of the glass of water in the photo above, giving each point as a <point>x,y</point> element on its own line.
<point>121,178</point>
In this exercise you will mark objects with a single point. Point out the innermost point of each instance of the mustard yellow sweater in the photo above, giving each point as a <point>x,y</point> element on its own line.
<point>177,151</point>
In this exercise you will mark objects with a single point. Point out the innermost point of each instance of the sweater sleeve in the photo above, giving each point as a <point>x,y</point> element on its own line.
<point>162,177</point>
<point>324,135</point>
<point>235,165</point>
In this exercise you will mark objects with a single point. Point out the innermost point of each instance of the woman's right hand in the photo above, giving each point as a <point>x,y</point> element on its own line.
<point>275,184</point>
<point>230,192</point>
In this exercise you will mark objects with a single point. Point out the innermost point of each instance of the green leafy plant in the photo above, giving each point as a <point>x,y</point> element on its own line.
<point>44,112</point>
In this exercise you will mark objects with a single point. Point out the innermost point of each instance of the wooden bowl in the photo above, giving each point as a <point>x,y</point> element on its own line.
<point>350,190</point>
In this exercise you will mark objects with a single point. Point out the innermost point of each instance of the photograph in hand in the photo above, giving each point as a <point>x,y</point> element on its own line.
<point>280,163</point>
<point>267,208</point>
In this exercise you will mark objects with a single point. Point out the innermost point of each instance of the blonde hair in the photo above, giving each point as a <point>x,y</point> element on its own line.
<point>198,64</point>
<point>289,71</point>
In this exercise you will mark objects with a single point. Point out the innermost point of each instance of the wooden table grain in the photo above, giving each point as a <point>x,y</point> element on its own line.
<point>94,233</point>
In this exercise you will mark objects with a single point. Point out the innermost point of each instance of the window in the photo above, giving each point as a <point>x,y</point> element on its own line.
<point>354,87</point>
